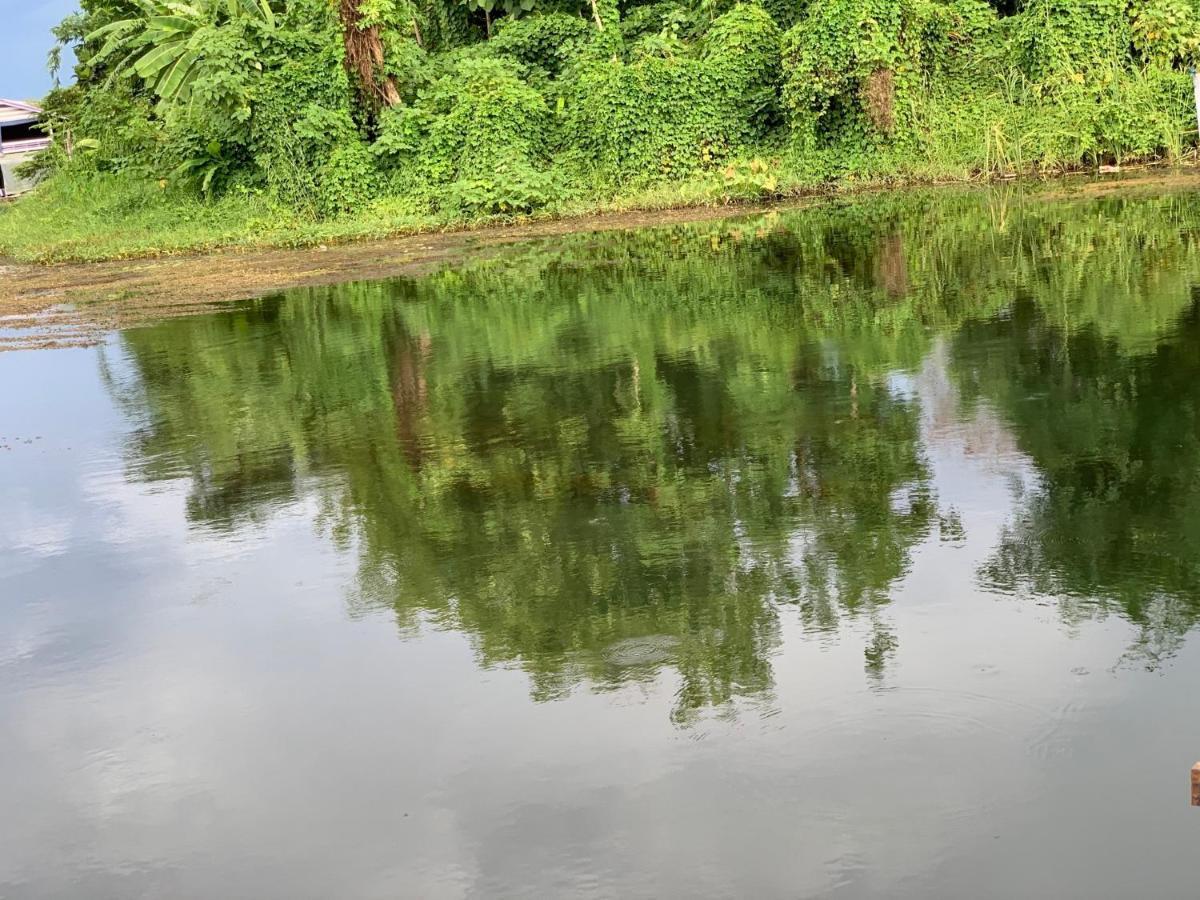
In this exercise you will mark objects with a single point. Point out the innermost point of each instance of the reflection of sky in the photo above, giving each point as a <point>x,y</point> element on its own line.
<point>191,714</point>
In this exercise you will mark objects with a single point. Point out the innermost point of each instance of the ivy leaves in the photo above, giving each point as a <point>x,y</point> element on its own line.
<point>511,7</point>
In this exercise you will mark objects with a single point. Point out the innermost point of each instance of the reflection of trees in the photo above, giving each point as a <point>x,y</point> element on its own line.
<point>1115,523</point>
<point>619,452</point>
<point>593,464</point>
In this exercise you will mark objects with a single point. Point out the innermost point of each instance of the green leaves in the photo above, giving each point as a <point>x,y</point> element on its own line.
<point>511,7</point>
<point>176,78</point>
<point>156,59</point>
<point>663,91</point>
<point>1166,31</point>
<point>169,45</point>
<point>475,143</point>
<point>670,113</point>
<point>259,9</point>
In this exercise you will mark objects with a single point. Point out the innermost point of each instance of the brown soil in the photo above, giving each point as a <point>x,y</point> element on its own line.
<point>75,304</point>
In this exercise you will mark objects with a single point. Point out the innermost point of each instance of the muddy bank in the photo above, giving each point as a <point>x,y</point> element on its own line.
<point>75,304</point>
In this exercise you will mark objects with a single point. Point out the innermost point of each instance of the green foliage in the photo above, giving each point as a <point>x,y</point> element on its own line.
<point>348,180</point>
<point>543,108</point>
<point>742,50</point>
<point>1165,32</point>
<point>179,49</point>
<point>475,141</point>
<point>1133,115</point>
<point>116,124</point>
<point>303,107</point>
<point>512,7</point>
<point>1065,38</point>
<point>663,116</point>
<point>1059,38</point>
<point>855,70</point>
<point>753,180</point>
<point>551,41</point>
<point>509,187</point>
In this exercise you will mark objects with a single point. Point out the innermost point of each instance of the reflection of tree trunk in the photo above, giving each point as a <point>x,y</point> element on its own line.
<point>364,57</point>
<point>891,266</point>
<point>410,394</point>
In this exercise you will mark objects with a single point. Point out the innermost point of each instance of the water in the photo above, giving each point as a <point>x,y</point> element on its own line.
<point>847,552</point>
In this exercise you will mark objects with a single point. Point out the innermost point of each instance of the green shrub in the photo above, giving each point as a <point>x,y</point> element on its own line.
<point>663,116</point>
<point>1125,115</point>
<point>651,19</point>
<point>480,127</point>
<point>742,50</point>
<point>1165,32</point>
<point>113,126</point>
<point>851,69</point>
<point>1055,38</point>
<point>752,180</point>
<point>859,74</point>
<point>511,186</point>
<point>551,42</point>
<point>348,180</point>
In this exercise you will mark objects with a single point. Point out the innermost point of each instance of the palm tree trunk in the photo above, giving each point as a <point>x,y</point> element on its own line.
<point>364,57</point>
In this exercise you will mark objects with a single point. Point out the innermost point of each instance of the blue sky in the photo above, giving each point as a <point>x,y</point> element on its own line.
<point>25,26</point>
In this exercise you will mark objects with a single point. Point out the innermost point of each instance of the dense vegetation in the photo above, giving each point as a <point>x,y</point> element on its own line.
<point>221,121</point>
<point>606,454</point>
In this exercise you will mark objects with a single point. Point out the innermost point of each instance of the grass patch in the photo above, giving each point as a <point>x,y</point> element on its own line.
<point>93,217</point>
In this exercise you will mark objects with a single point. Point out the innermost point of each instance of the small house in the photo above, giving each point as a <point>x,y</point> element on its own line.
<point>20,139</point>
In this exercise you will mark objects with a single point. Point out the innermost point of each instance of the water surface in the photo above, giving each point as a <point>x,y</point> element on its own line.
<point>846,552</point>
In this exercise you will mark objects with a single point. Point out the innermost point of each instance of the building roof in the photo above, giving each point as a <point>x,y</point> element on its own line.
<point>14,112</point>
<point>17,104</point>
<point>17,138</point>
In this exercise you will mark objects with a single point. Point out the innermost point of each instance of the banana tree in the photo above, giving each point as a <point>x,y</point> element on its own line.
<point>166,44</point>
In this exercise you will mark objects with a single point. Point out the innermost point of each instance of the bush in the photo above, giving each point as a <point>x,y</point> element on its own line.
<point>850,69</point>
<point>1055,38</point>
<point>348,180</point>
<point>551,42</point>
<point>303,108</point>
<point>1126,115</point>
<point>667,116</point>
<point>1166,32</point>
<point>857,73</point>
<point>482,128</point>
<point>510,187</point>
<point>113,127</point>
<point>742,50</point>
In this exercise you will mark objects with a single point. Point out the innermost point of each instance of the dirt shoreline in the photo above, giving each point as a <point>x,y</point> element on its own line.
<point>76,304</point>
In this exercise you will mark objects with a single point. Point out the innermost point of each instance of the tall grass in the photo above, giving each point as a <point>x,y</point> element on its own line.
<point>92,216</point>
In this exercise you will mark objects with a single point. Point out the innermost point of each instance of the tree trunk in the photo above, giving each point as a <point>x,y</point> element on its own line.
<point>364,57</point>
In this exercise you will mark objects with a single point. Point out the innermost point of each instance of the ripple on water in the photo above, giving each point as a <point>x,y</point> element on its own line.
<point>648,650</point>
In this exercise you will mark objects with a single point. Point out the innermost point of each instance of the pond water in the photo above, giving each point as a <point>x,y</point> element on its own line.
<point>851,551</point>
